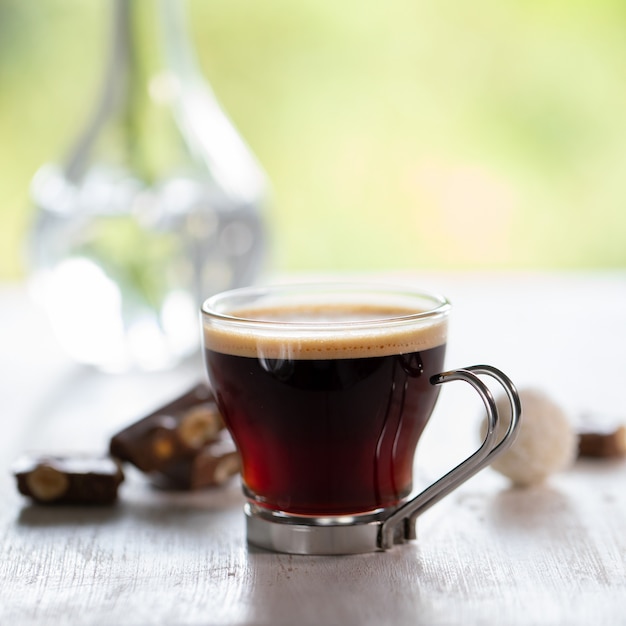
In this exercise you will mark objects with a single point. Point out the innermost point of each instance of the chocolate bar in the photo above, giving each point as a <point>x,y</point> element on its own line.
<point>175,431</point>
<point>72,479</point>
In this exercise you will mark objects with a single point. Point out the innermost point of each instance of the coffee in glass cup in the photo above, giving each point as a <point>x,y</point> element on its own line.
<point>326,390</point>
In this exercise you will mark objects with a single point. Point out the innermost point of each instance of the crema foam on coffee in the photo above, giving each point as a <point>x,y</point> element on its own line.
<point>325,332</point>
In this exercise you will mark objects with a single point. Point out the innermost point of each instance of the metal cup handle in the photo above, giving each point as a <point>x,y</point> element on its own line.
<point>400,525</point>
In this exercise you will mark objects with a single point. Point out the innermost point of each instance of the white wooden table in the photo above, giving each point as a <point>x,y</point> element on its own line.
<point>488,554</point>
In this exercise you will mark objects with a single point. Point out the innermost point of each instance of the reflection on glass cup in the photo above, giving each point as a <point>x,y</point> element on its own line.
<point>326,390</point>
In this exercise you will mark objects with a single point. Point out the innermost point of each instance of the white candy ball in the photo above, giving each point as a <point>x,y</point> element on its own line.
<point>546,442</point>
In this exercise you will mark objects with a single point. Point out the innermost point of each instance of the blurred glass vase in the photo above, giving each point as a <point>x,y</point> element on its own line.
<point>159,204</point>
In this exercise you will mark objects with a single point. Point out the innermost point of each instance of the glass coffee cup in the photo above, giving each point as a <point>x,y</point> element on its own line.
<point>326,390</point>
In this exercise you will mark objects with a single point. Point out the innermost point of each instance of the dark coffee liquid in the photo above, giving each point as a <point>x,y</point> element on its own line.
<point>326,436</point>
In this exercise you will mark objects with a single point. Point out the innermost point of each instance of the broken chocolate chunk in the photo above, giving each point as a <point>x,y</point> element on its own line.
<point>213,466</point>
<point>72,479</point>
<point>171,433</point>
<point>607,442</point>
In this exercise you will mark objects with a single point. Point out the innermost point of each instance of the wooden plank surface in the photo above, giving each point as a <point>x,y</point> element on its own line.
<point>488,554</point>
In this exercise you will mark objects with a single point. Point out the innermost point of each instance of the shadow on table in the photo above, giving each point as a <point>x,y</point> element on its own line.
<point>373,588</point>
<point>36,515</point>
<point>532,509</point>
<point>141,503</point>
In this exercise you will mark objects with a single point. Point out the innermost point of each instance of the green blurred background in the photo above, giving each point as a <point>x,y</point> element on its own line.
<point>404,134</point>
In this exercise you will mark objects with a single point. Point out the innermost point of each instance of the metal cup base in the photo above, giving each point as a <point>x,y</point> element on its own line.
<point>316,535</point>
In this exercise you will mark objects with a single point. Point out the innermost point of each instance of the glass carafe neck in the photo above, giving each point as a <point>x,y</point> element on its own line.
<point>164,114</point>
